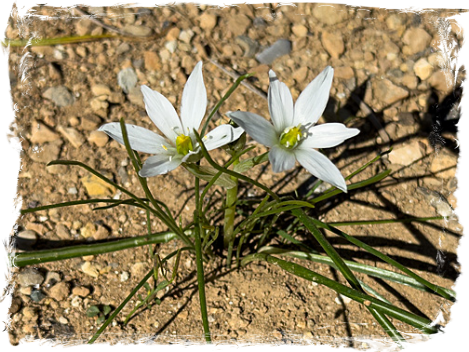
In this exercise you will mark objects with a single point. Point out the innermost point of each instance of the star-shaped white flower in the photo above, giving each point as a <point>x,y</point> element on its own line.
<point>179,143</point>
<point>294,132</point>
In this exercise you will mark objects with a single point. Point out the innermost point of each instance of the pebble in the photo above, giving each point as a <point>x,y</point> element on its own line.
<point>5,181</point>
<point>333,43</point>
<point>88,230</point>
<point>410,81</point>
<point>239,24</point>
<point>62,320</point>
<point>249,46</point>
<point>173,34</point>
<point>72,190</point>
<point>47,152</point>
<point>72,135</point>
<point>124,276</point>
<point>37,296</point>
<point>152,61</point>
<point>407,154</point>
<point>9,166</point>
<point>127,79</point>
<point>439,59</point>
<point>122,48</point>
<point>90,269</point>
<point>62,232</point>
<point>138,31</point>
<point>208,21</point>
<point>138,270</point>
<point>52,278</point>
<point>135,96</point>
<point>7,82</point>
<point>83,26</point>
<point>76,301</point>
<point>90,122</point>
<point>417,40</point>
<point>301,74</point>
<point>441,81</point>
<point>171,46</point>
<point>41,134</point>
<point>277,334</point>
<point>459,200</point>
<point>98,138</point>
<point>423,69</point>
<point>330,14</point>
<point>299,30</point>
<point>95,187</point>
<point>100,89</point>
<point>9,307</point>
<point>186,36</point>
<point>387,92</point>
<point>81,291</point>
<point>443,165</point>
<point>25,240</point>
<point>60,291</point>
<point>437,201</point>
<point>29,313</point>
<point>26,290</point>
<point>30,277</point>
<point>60,95</point>
<point>279,48</point>
<point>343,72</point>
<point>101,233</point>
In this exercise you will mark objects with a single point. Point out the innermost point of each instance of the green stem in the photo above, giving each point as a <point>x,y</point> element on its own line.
<point>230,213</point>
<point>199,263</point>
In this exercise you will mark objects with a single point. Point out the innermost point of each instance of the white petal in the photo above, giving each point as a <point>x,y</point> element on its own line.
<point>140,139</point>
<point>221,135</point>
<point>328,135</point>
<point>255,126</point>
<point>281,159</point>
<point>194,101</point>
<point>321,167</point>
<point>313,100</point>
<point>280,103</point>
<point>159,164</point>
<point>162,113</point>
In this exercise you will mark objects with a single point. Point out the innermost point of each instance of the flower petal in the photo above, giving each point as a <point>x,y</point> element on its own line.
<point>281,159</point>
<point>159,164</point>
<point>221,135</point>
<point>328,135</point>
<point>140,138</point>
<point>194,101</point>
<point>255,126</point>
<point>313,100</point>
<point>280,103</point>
<point>162,113</point>
<point>321,167</point>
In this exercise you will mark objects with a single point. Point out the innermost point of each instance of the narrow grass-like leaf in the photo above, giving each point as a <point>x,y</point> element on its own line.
<point>248,164</point>
<point>56,41</point>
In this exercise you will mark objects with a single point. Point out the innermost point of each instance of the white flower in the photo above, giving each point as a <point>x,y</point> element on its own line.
<point>294,133</point>
<point>180,143</point>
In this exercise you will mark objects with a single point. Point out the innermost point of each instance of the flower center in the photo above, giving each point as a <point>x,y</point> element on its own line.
<point>290,137</point>
<point>184,144</point>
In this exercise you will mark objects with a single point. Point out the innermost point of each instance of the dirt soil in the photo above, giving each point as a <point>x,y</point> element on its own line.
<point>389,61</point>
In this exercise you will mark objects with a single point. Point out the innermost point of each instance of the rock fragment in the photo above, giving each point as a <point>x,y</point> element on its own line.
<point>417,40</point>
<point>387,92</point>
<point>30,277</point>
<point>406,155</point>
<point>279,48</point>
<point>72,135</point>
<point>60,95</point>
<point>60,291</point>
<point>423,69</point>
<point>333,43</point>
<point>41,134</point>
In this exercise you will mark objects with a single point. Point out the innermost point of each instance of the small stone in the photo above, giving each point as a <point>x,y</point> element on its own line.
<point>76,301</point>
<point>98,138</point>
<point>95,187</point>
<point>330,14</point>
<point>124,276</point>
<point>417,40</point>
<point>41,134</point>
<point>127,79</point>
<point>299,30</point>
<point>406,155</point>
<point>277,334</point>
<point>437,201</point>
<point>423,69</point>
<point>26,239</point>
<point>152,61</point>
<point>101,233</point>
<point>394,22</point>
<point>90,122</point>
<point>173,34</point>
<point>72,135</point>
<point>186,36</point>
<point>88,230</point>
<point>301,74</point>
<point>60,291</point>
<point>26,290</point>
<point>138,270</point>
<point>387,92</point>
<point>280,48</point>
<point>9,166</point>
<point>29,313</point>
<point>122,48</point>
<point>333,43</point>
<point>439,59</point>
<point>208,21</point>
<point>47,152</point>
<point>59,95</point>
<point>62,320</point>
<point>441,81</point>
<point>239,24</point>
<point>90,269</point>
<point>30,277</point>
<point>81,291</point>
<point>62,232</point>
<point>136,97</point>
<point>52,278</point>
<point>9,307</point>
<point>443,165</point>
<point>100,89</point>
<point>37,296</point>
<point>83,26</point>
<point>138,31</point>
<point>459,200</point>
<point>88,258</point>
<point>459,26</point>
<point>171,46</point>
<point>410,81</point>
<point>343,72</point>
<point>72,190</point>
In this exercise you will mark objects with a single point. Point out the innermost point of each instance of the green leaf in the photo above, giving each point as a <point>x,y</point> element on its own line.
<point>92,311</point>
<point>206,173</point>
<point>100,319</point>
<point>248,164</point>
<point>106,310</point>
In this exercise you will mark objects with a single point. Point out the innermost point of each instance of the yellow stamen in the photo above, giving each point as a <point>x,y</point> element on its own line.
<point>184,144</point>
<point>291,137</point>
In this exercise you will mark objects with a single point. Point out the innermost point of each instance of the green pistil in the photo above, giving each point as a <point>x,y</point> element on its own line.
<point>184,144</point>
<point>291,137</point>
